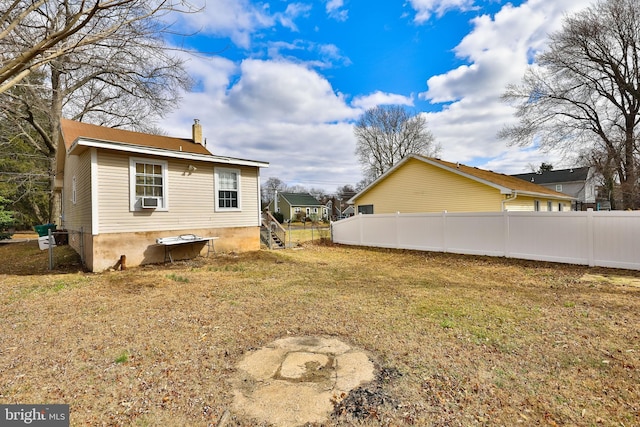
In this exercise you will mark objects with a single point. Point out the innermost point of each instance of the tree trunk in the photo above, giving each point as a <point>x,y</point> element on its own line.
<point>55,203</point>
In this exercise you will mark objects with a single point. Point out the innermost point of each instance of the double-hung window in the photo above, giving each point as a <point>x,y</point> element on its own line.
<point>148,184</point>
<point>227,187</point>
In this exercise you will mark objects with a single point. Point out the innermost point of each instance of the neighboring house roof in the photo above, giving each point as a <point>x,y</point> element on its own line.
<point>78,136</point>
<point>348,210</point>
<point>505,183</point>
<point>300,199</point>
<point>556,176</point>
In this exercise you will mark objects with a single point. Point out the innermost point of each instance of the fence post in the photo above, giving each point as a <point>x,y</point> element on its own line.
<point>444,231</point>
<point>590,232</point>
<point>50,237</point>
<point>398,230</point>
<point>507,234</point>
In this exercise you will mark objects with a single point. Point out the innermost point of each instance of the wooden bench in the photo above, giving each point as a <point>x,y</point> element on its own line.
<point>184,239</point>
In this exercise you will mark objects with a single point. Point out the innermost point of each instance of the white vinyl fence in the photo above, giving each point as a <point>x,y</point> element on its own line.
<point>604,239</point>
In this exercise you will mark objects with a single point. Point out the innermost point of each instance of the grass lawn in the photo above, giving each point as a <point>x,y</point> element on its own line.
<point>458,340</point>
<point>300,234</point>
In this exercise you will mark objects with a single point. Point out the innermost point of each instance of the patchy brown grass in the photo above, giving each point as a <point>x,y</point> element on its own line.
<point>458,340</point>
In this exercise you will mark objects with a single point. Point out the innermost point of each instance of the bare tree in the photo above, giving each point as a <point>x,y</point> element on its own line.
<point>345,192</point>
<point>36,32</point>
<point>112,68</point>
<point>584,93</point>
<point>386,134</point>
<point>270,188</point>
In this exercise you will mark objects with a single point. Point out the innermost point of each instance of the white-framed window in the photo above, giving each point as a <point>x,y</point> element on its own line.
<point>560,207</point>
<point>559,188</point>
<point>536,205</point>
<point>297,210</point>
<point>549,206</point>
<point>227,187</point>
<point>148,180</point>
<point>74,190</point>
<point>315,210</point>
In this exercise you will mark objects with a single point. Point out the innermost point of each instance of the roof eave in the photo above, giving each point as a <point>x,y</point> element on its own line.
<point>80,144</point>
<point>544,195</point>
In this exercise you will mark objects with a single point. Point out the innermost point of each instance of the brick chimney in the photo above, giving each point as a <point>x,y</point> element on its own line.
<point>196,130</point>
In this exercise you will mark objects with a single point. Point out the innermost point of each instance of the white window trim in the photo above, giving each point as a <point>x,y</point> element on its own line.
<point>216,179</point>
<point>134,204</point>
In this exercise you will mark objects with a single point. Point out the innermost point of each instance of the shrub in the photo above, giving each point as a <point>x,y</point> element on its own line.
<point>278,216</point>
<point>6,220</point>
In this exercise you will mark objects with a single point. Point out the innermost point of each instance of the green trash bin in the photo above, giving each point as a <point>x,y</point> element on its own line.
<point>43,230</point>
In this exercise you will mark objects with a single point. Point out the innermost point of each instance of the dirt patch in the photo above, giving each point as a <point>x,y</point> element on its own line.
<point>368,402</point>
<point>297,380</point>
<point>612,279</point>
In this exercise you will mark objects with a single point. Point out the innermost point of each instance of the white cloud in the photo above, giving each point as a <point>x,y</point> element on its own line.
<point>274,111</point>
<point>381,98</point>
<point>426,8</point>
<point>241,19</point>
<point>335,11</point>
<point>293,11</point>
<point>236,19</point>
<point>285,92</point>
<point>498,51</point>
<point>329,55</point>
<point>516,160</point>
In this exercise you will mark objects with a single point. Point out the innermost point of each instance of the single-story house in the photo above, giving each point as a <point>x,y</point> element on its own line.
<point>297,206</point>
<point>576,182</point>
<point>420,184</point>
<point>123,190</point>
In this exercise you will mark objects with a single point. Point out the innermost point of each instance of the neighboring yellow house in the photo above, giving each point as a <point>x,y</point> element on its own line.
<point>423,184</point>
<point>122,190</point>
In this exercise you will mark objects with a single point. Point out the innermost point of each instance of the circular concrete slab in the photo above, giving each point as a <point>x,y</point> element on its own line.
<point>292,381</point>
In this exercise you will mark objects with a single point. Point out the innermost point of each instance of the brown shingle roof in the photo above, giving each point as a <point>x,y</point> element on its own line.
<point>72,130</point>
<point>502,180</point>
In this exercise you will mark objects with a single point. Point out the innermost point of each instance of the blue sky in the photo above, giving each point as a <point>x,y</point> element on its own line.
<point>283,82</point>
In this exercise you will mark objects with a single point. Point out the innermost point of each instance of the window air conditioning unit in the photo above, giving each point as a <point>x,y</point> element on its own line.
<point>149,202</point>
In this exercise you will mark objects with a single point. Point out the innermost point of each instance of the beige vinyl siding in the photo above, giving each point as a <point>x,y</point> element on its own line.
<point>190,198</point>
<point>419,187</point>
<point>78,215</point>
